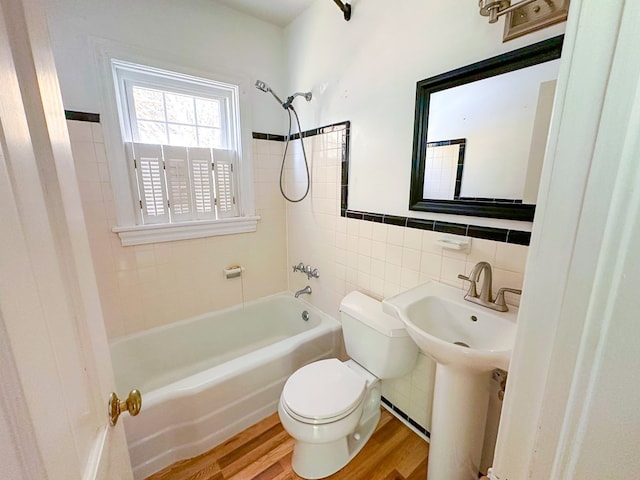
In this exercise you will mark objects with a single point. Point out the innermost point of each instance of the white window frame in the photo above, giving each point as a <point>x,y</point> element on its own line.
<point>115,124</point>
<point>128,75</point>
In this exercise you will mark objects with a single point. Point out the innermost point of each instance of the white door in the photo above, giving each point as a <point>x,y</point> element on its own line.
<point>55,368</point>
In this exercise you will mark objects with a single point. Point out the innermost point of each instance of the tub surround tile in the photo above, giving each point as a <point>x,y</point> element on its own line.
<point>412,239</point>
<point>395,235</point>
<point>511,257</point>
<point>145,286</point>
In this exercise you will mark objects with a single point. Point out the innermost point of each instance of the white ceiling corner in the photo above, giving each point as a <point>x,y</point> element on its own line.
<point>277,12</point>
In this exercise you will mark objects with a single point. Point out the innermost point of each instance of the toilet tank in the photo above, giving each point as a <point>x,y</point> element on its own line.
<point>374,339</point>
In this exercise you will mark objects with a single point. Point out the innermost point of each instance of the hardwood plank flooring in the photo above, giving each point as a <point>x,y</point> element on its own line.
<point>263,452</point>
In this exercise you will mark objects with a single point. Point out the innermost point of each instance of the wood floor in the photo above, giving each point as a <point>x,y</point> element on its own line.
<point>263,452</point>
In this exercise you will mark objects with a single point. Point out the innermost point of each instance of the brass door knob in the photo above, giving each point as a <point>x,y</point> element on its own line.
<point>132,404</point>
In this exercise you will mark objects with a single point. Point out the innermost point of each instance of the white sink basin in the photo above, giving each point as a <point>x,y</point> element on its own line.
<point>467,341</point>
<point>453,331</point>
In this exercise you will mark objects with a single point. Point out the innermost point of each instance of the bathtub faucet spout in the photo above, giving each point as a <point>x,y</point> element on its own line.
<point>306,290</point>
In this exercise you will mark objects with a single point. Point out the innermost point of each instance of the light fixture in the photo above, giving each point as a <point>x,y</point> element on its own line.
<point>496,8</point>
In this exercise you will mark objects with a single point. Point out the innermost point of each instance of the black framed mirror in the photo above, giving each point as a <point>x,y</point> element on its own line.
<point>480,134</point>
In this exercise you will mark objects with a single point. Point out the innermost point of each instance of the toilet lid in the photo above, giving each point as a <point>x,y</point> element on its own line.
<point>323,389</point>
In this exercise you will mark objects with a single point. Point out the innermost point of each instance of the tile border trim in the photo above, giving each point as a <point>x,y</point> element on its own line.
<point>406,417</point>
<point>488,233</point>
<point>496,234</point>
<point>82,116</point>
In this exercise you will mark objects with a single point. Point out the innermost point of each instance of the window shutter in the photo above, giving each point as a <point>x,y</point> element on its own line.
<point>202,181</point>
<point>151,182</point>
<point>223,161</point>
<point>178,184</point>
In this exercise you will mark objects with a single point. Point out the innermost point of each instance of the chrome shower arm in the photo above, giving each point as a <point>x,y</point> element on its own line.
<point>306,95</point>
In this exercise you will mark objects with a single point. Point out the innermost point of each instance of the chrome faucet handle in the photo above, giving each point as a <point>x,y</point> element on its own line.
<point>500,297</point>
<point>472,285</point>
<point>299,268</point>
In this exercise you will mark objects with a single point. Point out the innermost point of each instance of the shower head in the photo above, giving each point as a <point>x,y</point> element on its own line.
<point>260,85</point>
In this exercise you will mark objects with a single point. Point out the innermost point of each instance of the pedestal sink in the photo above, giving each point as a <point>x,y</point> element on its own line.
<point>467,342</point>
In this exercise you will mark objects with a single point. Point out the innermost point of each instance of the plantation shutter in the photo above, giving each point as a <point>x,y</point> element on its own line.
<point>177,184</point>
<point>223,161</point>
<point>179,189</point>
<point>202,182</point>
<point>149,167</point>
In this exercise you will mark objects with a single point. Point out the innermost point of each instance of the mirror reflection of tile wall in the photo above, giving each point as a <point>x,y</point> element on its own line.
<point>441,161</point>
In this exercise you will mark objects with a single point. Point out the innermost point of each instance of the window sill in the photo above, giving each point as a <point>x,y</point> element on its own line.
<point>143,234</point>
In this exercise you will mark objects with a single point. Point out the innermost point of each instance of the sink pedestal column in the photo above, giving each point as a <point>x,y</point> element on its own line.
<point>461,399</point>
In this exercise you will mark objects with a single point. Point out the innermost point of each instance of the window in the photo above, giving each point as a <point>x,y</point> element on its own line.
<point>181,141</point>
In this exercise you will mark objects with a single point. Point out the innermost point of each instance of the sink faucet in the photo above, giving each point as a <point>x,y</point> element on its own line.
<point>485,298</point>
<point>485,291</point>
<point>306,290</point>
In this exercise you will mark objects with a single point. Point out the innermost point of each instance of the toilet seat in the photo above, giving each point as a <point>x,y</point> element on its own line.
<point>322,392</point>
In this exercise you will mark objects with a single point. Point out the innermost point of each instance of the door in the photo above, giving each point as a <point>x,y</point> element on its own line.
<point>54,357</point>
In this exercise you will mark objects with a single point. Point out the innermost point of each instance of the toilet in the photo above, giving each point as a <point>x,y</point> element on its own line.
<point>330,407</point>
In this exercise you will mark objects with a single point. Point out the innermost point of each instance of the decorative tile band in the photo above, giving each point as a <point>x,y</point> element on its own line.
<point>268,136</point>
<point>406,418</point>
<point>335,127</point>
<point>82,116</point>
<point>488,233</point>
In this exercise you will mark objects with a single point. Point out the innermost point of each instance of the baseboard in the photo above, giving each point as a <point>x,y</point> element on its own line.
<point>414,426</point>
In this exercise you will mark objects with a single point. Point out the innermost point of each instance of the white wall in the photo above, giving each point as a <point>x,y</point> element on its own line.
<point>366,70</point>
<point>197,36</point>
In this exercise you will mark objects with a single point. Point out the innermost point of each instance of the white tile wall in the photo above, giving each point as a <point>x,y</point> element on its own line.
<point>380,260</point>
<point>150,285</point>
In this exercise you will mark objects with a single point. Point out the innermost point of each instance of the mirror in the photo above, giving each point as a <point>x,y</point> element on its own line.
<point>480,134</point>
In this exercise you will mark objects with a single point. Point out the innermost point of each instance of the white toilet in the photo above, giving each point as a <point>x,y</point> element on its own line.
<point>330,407</point>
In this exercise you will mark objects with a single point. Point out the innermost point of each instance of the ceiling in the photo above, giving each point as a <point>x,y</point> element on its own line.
<point>278,12</point>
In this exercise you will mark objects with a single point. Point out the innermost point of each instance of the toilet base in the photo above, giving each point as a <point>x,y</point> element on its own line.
<point>319,460</point>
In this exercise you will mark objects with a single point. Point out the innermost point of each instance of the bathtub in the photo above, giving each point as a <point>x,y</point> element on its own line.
<point>209,377</point>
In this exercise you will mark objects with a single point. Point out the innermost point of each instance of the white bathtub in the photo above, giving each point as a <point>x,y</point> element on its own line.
<point>209,377</point>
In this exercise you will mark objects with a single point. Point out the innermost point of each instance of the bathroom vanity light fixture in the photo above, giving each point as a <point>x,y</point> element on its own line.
<point>496,8</point>
<point>346,9</point>
<point>524,16</point>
